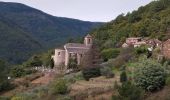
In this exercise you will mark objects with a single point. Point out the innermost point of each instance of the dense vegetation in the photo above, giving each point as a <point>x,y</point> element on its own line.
<point>151,20</point>
<point>150,75</point>
<point>25,30</point>
<point>4,82</point>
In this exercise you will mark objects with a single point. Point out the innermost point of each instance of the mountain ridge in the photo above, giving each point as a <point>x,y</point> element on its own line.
<point>28,30</point>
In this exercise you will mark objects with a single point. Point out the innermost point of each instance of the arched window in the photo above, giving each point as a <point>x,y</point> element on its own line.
<point>81,55</point>
<point>89,41</point>
<point>59,54</point>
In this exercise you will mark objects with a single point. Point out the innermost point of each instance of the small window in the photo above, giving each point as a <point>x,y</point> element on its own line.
<point>58,53</point>
<point>89,41</point>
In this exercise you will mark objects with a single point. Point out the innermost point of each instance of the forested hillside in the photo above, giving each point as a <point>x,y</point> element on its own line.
<point>25,31</point>
<point>151,20</point>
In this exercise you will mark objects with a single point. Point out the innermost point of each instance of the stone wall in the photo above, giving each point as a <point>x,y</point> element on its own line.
<point>59,57</point>
<point>166,49</point>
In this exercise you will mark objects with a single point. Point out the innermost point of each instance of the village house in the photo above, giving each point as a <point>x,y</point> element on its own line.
<point>154,43</point>
<point>74,50</point>
<point>138,41</point>
<point>133,41</point>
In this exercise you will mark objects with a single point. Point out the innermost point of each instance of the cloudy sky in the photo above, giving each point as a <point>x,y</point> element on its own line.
<point>88,10</point>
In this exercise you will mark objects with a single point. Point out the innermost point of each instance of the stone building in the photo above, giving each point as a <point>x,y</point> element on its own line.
<point>133,41</point>
<point>74,50</point>
<point>137,42</point>
<point>154,43</point>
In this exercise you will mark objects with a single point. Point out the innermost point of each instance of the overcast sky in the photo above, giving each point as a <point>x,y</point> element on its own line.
<point>88,10</point>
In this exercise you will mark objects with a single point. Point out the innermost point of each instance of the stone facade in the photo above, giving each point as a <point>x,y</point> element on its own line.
<point>73,50</point>
<point>133,40</point>
<point>166,49</point>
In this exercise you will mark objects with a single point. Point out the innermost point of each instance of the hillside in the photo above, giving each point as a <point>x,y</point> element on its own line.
<point>25,30</point>
<point>151,20</point>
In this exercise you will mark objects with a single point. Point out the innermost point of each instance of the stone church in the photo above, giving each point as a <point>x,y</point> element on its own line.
<point>82,53</point>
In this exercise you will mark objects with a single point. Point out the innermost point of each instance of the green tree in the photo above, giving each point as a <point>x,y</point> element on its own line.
<point>18,71</point>
<point>46,58</point>
<point>34,61</point>
<point>72,63</point>
<point>109,53</point>
<point>150,75</point>
<point>59,86</point>
<point>52,63</point>
<point>4,82</point>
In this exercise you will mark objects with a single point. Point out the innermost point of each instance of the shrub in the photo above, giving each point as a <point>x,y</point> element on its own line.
<point>34,61</point>
<point>150,75</point>
<point>71,78</point>
<point>25,96</point>
<point>107,72</point>
<point>17,98</point>
<point>141,50</point>
<point>59,87</point>
<point>109,53</point>
<point>5,85</point>
<point>168,81</point>
<point>4,98</point>
<point>18,71</point>
<point>128,91</point>
<point>116,85</point>
<point>90,73</point>
<point>123,77</point>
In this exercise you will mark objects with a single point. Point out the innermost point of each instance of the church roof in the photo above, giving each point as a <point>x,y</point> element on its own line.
<point>88,36</point>
<point>77,50</point>
<point>72,45</point>
<point>76,47</point>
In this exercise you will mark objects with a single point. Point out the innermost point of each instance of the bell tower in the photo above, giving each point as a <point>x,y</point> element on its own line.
<point>88,40</point>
